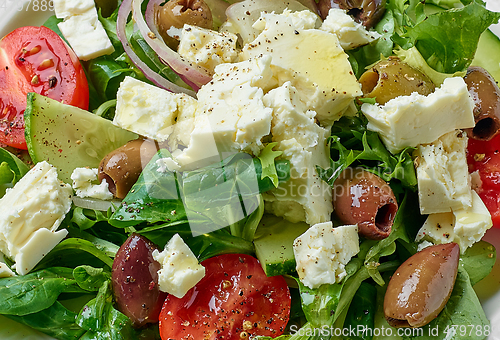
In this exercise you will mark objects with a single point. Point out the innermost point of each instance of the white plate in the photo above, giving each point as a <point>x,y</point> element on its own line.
<point>17,13</point>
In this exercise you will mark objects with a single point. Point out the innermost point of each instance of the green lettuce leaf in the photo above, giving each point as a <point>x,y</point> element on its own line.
<point>267,157</point>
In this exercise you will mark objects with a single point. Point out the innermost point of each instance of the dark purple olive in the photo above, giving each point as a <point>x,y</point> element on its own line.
<point>421,286</point>
<point>121,167</point>
<point>486,95</point>
<point>363,198</point>
<point>367,12</point>
<point>135,281</point>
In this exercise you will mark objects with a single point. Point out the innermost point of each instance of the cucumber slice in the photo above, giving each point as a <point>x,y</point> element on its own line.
<point>274,244</point>
<point>488,54</point>
<point>68,137</point>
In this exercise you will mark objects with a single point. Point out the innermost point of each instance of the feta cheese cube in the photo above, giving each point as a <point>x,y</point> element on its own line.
<point>30,214</point>
<point>416,119</point>
<point>350,33</point>
<point>66,8</point>
<point>180,270</point>
<point>84,32</point>
<point>207,48</point>
<point>5,271</point>
<point>83,185</point>
<point>443,175</point>
<point>464,226</point>
<point>312,60</point>
<point>150,111</point>
<point>304,197</point>
<point>322,253</point>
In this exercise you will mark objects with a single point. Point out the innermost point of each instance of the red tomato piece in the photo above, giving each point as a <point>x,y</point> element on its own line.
<point>235,300</point>
<point>36,59</point>
<point>484,156</point>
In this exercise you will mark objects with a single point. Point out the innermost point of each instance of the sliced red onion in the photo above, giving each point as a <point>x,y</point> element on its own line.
<point>121,23</point>
<point>193,75</point>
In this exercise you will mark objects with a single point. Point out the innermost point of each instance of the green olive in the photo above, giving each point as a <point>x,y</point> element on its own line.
<point>421,286</point>
<point>486,95</point>
<point>121,168</point>
<point>392,78</point>
<point>176,13</point>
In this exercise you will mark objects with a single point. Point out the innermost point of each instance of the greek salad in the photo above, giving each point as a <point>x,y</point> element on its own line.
<point>211,169</point>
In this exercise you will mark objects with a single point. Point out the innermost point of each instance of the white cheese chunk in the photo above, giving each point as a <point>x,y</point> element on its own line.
<point>312,60</point>
<point>84,184</point>
<point>85,33</point>
<point>443,175</point>
<point>152,112</point>
<point>5,271</point>
<point>322,253</point>
<point>231,116</point>
<point>207,48</point>
<point>67,8</point>
<point>304,197</point>
<point>39,201</point>
<point>180,270</point>
<point>416,119</point>
<point>350,33</point>
<point>463,226</point>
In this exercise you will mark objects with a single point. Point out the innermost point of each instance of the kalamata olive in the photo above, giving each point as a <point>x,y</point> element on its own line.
<point>486,95</point>
<point>363,198</point>
<point>135,281</point>
<point>392,78</point>
<point>367,12</point>
<point>176,13</point>
<point>421,286</point>
<point>121,167</point>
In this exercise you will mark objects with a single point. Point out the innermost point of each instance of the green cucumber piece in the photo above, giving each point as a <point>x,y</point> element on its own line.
<point>274,244</point>
<point>488,54</point>
<point>68,137</point>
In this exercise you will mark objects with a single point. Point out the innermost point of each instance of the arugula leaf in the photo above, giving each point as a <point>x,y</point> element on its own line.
<point>362,310</point>
<point>352,144</point>
<point>101,320</point>
<point>90,278</point>
<point>11,170</point>
<point>36,291</point>
<point>106,75</point>
<point>267,157</point>
<point>56,321</point>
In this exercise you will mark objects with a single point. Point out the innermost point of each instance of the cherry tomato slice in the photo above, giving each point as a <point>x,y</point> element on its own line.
<point>36,59</point>
<point>235,300</point>
<point>484,156</point>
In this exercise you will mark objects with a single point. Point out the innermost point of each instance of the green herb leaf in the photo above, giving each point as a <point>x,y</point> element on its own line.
<point>267,157</point>
<point>90,278</point>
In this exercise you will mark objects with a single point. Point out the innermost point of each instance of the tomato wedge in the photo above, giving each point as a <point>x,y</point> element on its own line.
<point>36,59</point>
<point>235,300</point>
<point>484,157</point>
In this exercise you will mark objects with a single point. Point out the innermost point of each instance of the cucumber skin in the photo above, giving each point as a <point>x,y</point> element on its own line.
<point>274,244</point>
<point>488,54</point>
<point>68,144</point>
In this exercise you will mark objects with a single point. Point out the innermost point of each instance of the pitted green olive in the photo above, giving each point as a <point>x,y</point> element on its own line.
<point>421,286</point>
<point>392,78</point>
<point>486,95</point>
<point>176,13</point>
<point>367,12</point>
<point>121,167</point>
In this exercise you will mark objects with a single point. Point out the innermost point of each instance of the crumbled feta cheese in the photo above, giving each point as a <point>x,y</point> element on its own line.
<point>30,214</point>
<point>322,252</point>
<point>83,185</point>
<point>150,111</point>
<point>167,164</point>
<point>350,33</point>
<point>416,119</point>
<point>82,28</point>
<point>304,197</point>
<point>207,48</point>
<point>443,174</point>
<point>180,270</point>
<point>463,226</point>
<point>5,271</point>
<point>312,60</point>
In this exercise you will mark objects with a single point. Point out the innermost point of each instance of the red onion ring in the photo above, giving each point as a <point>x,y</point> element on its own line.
<point>193,75</point>
<point>121,23</point>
